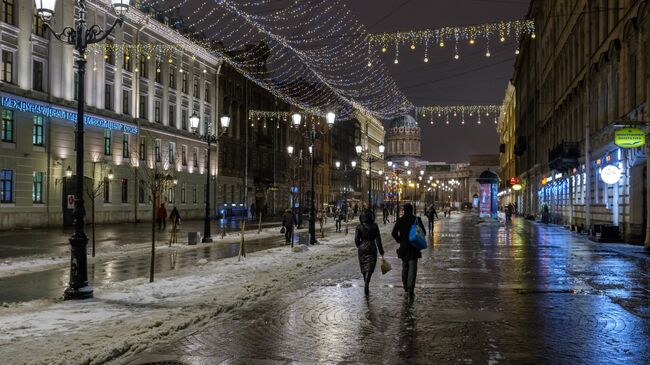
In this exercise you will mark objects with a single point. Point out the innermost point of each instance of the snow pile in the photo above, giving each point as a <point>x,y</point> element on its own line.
<point>130,316</point>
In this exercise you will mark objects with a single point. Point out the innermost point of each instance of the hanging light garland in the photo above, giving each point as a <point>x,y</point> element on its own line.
<point>478,112</point>
<point>471,34</point>
<point>311,62</point>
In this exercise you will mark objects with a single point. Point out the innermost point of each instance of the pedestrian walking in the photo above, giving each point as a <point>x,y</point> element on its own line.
<point>368,241</point>
<point>432,215</point>
<point>384,212</point>
<point>161,215</point>
<point>320,217</point>
<point>288,220</point>
<point>338,219</point>
<point>408,253</point>
<point>356,209</point>
<point>175,218</point>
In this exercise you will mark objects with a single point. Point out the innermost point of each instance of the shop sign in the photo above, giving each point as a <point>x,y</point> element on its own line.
<point>610,174</point>
<point>629,138</point>
<point>52,112</point>
<point>514,181</point>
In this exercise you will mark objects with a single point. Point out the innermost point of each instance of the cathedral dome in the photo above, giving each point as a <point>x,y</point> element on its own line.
<point>403,138</point>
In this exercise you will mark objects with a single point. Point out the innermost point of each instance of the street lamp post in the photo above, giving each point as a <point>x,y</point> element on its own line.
<point>79,36</point>
<point>209,139</point>
<point>359,149</point>
<point>294,159</point>
<point>345,172</point>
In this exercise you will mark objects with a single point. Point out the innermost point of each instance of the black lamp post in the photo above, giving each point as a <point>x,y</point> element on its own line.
<point>359,149</point>
<point>209,139</point>
<point>79,36</point>
<point>344,172</point>
<point>297,160</point>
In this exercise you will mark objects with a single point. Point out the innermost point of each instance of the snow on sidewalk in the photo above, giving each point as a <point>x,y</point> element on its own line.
<point>130,316</point>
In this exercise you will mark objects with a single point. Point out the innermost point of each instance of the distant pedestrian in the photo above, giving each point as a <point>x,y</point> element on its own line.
<point>368,241</point>
<point>288,220</point>
<point>320,218</point>
<point>432,215</point>
<point>175,218</point>
<point>338,219</point>
<point>408,253</point>
<point>384,212</point>
<point>161,215</point>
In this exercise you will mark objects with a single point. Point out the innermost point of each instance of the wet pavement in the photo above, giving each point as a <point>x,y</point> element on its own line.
<point>55,241</point>
<point>487,293</point>
<point>51,283</point>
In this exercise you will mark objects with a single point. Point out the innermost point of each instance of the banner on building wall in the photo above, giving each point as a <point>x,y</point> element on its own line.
<point>629,138</point>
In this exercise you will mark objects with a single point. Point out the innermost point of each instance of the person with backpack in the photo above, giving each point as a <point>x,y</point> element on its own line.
<point>407,252</point>
<point>368,241</point>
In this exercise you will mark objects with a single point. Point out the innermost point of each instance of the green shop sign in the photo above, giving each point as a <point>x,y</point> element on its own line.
<point>629,138</point>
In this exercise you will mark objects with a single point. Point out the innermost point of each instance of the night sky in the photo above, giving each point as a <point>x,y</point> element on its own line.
<point>473,79</point>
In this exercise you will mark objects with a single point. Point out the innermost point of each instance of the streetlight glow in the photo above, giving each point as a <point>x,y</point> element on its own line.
<point>225,122</point>
<point>194,121</point>
<point>359,149</point>
<point>290,150</point>
<point>337,164</point>
<point>331,117</point>
<point>382,148</point>
<point>296,118</point>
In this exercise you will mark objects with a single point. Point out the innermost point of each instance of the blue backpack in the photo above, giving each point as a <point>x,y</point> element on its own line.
<point>416,235</point>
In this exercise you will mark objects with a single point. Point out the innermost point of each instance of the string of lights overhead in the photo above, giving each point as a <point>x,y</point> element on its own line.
<point>308,52</point>
<point>488,33</point>
<point>444,113</point>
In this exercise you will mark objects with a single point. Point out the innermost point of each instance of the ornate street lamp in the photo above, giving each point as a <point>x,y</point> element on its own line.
<point>209,139</point>
<point>68,172</point>
<point>331,117</point>
<point>79,36</point>
<point>296,118</point>
<point>359,149</point>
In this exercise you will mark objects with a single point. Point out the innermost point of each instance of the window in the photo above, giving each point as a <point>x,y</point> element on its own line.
<point>109,56</point>
<point>184,82</point>
<point>172,78</point>
<point>6,186</point>
<point>125,101</point>
<point>7,133</point>
<point>125,146</point>
<point>184,155</point>
<point>107,190</point>
<point>8,11</point>
<point>143,149</point>
<point>127,65</point>
<point>196,87</point>
<point>195,157</point>
<point>156,112</point>
<point>171,151</point>
<point>206,95</point>
<point>37,75</point>
<point>37,190</point>
<point>108,97</point>
<point>144,66</point>
<point>194,195</point>
<point>38,27</point>
<point>107,142</point>
<point>184,119</point>
<point>7,66</point>
<point>37,134</point>
<point>183,187</point>
<point>158,73</point>
<point>172,115</point>
<point>125,190</point>
<point>157,151</point>
<point>141,192</point>
<point>142,109</point>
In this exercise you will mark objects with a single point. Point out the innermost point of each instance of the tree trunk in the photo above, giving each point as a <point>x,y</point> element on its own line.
<point>93,215</point>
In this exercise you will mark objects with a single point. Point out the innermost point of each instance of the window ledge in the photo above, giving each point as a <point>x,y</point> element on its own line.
<point>7,205</point>
<point>38,148</point>
<point>8,145</point>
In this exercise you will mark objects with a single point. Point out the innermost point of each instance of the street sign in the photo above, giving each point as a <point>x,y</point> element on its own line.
<point>70,201</point>
<point>629,138</point>
<point>610,174</point>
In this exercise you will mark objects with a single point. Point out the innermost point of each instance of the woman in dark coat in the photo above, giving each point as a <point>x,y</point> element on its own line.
<point>368,241</point>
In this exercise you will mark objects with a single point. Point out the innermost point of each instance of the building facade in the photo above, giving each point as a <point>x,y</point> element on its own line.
<point>507,129</point>
<point>581,77</point>
<point>142,86</point>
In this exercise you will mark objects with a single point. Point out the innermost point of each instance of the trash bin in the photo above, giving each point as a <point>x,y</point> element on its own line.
<point>193,238</point>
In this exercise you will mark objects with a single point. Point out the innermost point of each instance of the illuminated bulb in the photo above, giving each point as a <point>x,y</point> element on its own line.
<point>463,122</point>
<point>431,122</point>
<point>85,57</point>
<point>503,39</point>
<point>170,60</point>
<point>426,59</point>
<point>158,70</point>
<point>396,61</point>
<point>369,64</point>
<point>487,54</point>
<point>533,36</point>
<point>137,69</point>
<point>128,57</point>
<point>439,114</point>
<point>205,71</point>
<point>442,44</point>
<point>193,58</point>
<point>487,114</point>
<point>470,114</point>
<point>383,49</point>
<point>148,57</point>
<point>517,51</point>
<point>447,122</point>
<point>181,70</point>
<point>479,122</point>
<point>105,56</point>
<point>471,41</point>
<point>412,46</point>
<point>455,114</point>
<point>456,56</point>
<point>95,68</point>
